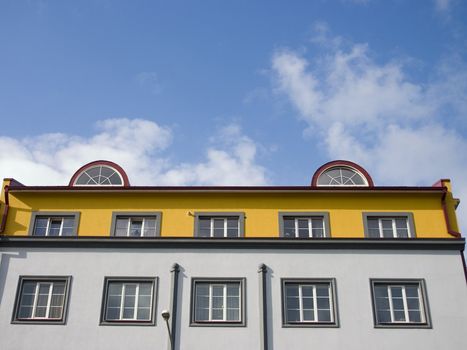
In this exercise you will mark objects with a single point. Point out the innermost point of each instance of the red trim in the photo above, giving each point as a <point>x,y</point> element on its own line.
<point>126,182</point>
<point>314,180</point>
<point>227,189</point>
<point>446,217</point>
<point>5,210</point>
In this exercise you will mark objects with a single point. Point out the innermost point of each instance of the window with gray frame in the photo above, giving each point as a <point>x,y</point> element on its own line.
<point>399,303</point>
<point>41,299</point>
<point>128,301</point>
<point>219,225</point>
<point>389,225</point>
<point>136,224</point>
<point>54,224</point>
<point>303,225</point>
<point>218,302</point>
<point>309,302</point>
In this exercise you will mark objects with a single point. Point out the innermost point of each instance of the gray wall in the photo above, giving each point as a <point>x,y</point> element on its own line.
<point>442,271</point>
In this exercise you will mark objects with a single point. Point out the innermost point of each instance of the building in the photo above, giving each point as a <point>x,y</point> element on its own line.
<point>340,263</point>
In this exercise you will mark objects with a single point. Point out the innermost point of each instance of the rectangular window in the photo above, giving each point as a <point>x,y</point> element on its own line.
<point>217,302</point>
<point>304,225</point>
<point>308,303</point>
<point>399,303</point>
<point>134,224</point>
<point>389,225</point>
<point>128,301</point>
<point>41,299</point>
<point>54,224</point>
<point>219,225</point>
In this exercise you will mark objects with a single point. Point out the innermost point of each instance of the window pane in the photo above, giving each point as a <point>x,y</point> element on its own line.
<point>322,290</point>
<point>324,315</point>
<point>40,227</point>
<point>25,312</point>
<point>397,304</point>
<point>232,232</point>
<point>54,228</point>
<point>219,223</point>
<point>303,233</point>
<point>145,289</point>
<point>218,314</point>
<point>396,292</point>
<point>373,233</point>
<point>382,303</point>
<point>381,291</point>
<point>302,223</point>
<point>114,301</point>
<point>57,300</point>
<point>293,303</point>
<point>136,227</point>
<point>128,312</point>
<point>202,314</point>
<point>323,303</point>
<point>373,223</point>
<point>113,313</point>
<point>411,291</point>
<point>383,316</point>
<point>413,304</point>
<point>399,316</point>
<point>115,288</point>
<point>218,232</point>
<point>308,315</point>
<point>317,233</point>
<point>143,314</point>
<point>144,301</point>
<point>414,316</point>
<point>27,300</point>
<point>217,301</point>
<point>55,312</point>
<point>291,290</point>
<point>40,311</point>
<point>307,291</point>
<point>307,303</point>
<point>233,315</point>
<point>233,302</point>
<point>232,223</point>
<point>402,233</point>
<point>204,232</point>
<point>293,315</point>
<point>401,223</point>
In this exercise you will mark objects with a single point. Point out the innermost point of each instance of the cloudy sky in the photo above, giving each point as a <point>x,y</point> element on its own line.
<point>239,92</point>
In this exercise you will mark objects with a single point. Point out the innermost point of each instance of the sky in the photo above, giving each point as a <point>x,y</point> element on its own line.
<point>235,92</point>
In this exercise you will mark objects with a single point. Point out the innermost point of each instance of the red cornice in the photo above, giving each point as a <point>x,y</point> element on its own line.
<point>314,180</point>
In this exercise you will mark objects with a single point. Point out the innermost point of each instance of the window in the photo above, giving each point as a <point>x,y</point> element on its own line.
<point>136,224</point>
<point>219,225</point>
<point>399,303</point>
<point>341,176</point>
<point>304,225</point>
<point>99,175</point>
<point>218,302</point>
<point>309,302</point>
<point>41,299</point>
<point>389,225</point>
<point>128,300</point>
<point>54,224</point>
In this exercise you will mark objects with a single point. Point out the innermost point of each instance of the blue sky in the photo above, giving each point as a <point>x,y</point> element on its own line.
<point>239,92</point>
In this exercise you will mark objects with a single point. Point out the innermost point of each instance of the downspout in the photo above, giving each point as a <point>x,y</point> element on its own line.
<point>446,217</point>
<point>5,210</point>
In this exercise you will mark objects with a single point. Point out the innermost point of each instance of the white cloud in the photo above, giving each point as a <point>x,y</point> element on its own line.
<point>403,131</point>
<point>140,147</point>
<point>442,5</point>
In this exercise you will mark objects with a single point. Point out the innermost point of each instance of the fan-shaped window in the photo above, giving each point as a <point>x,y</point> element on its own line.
<point>100,173</point>
<point>341,176</point>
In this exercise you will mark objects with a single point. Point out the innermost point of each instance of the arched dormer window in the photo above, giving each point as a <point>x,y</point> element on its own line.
<point>100,173</point>
<point>341,173</point>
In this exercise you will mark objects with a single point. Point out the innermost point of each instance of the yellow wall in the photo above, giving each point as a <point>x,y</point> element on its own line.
<point>261,210</point>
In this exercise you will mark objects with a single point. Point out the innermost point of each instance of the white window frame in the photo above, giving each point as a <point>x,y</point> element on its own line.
<point>127,281</point>
<point>239,216</point>
<point>218,283</point>
<point>393,216</point>
<point>40,281</point>
<point>51,216</point>
<point>324,216</point>
<point>422,302</point>
<point>143,225</point>
<point>129,216</point>
<point>315,322</point>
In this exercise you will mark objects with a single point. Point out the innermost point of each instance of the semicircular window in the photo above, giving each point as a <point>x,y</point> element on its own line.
<point>341,176</point>
<point>99,175</point>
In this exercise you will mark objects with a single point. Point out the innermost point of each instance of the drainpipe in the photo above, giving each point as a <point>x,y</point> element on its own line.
<point>5,210</point>
<point>446,217</point>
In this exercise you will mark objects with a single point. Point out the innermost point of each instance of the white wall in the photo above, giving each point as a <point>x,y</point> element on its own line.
<point>442,271</point>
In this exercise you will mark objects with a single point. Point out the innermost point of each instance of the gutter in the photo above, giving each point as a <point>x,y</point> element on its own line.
<point>446,217</point>
<point>5,210</point>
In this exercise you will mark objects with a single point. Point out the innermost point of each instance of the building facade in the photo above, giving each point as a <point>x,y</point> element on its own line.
<point>340,263</point>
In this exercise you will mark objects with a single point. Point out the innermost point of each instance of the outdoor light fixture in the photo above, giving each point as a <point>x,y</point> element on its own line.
<point>166,315</point>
